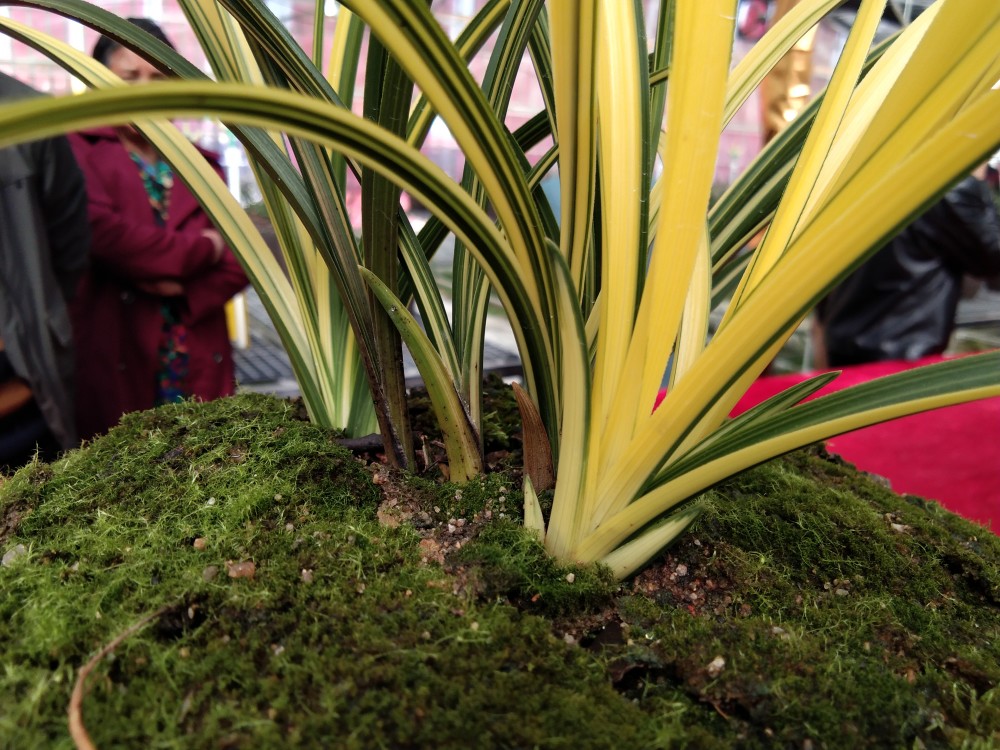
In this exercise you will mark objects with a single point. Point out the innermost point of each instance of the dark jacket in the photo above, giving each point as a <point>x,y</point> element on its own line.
<point>44,240</point>
<point>901,303</point>
<point>117,326</point>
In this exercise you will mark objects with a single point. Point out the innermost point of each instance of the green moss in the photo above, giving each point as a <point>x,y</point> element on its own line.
<point>368,648</point>
<point>807,605</point>
<point>509,564</point>
<point>851,617</point>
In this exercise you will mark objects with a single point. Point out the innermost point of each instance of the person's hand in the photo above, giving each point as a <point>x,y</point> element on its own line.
<point>161,287</point>
<point>218,244</point>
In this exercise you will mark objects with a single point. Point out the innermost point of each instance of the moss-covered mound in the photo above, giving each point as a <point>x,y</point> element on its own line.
<point>301,598</point>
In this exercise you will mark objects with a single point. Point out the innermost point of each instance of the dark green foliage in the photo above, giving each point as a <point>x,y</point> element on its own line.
<point>808,606</point>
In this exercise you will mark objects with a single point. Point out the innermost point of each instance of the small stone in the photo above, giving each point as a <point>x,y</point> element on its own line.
<point>451,528</point>
<point>278,649</point>
<point>211,501</point>
<point>307,575</point>
<point>431,550</point>
<point>900,528</point>
<point>184,652</point>
<point>12,554</point>
<point>716,666</point>
<point>200,543</point>
<point>841,592</point>
<point>570,639</point>
<point>210,572</point>
<point>360,588</point>
<point>241,569</point>
<point>570,577</point>
<point>278,497</point>
<point>460,522</point>
<point>426,635</point>
<point>473,625</point>
<point>681,570</point>
<point>289,526</point>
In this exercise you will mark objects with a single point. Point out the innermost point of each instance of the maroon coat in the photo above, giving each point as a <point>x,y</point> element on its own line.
<point>116,326</point>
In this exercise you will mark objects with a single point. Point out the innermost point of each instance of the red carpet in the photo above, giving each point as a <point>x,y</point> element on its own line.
<point>951,455</point>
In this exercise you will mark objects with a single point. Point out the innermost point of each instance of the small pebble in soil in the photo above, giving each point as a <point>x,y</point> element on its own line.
<point>570,577</point>
<point>12,554</point>
<point>716,666</point>
<point>199,543</point>
<point>241,569</point>
<point>307,575</point>
<point>210,572</point>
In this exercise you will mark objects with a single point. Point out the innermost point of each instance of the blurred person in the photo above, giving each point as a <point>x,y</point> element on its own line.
<point>901,303</point>
<point>149,318</point>
<point>44,241</point>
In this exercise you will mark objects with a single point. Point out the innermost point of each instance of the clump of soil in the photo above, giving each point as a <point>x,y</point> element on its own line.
<point>311,598</point>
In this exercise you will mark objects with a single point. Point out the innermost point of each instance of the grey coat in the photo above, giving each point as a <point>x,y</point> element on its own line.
<point>44,245</point>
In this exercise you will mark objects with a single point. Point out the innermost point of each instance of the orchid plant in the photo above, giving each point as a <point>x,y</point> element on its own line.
<point>618,287</point>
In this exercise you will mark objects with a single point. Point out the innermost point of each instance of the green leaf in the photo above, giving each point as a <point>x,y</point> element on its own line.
<point>461,442</point>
